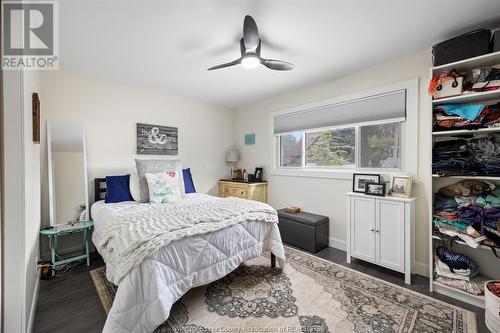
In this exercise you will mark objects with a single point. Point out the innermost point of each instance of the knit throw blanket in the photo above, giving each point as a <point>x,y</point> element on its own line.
<point>129,238</point>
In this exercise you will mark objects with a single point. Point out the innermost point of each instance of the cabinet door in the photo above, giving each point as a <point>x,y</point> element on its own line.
<point>390,234</point>
<point>363,228</point>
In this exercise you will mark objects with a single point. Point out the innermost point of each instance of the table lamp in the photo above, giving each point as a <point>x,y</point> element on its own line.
<point>232,157</point>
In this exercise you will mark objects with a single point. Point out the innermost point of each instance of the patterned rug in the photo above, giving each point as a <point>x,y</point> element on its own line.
<point>309,295</point>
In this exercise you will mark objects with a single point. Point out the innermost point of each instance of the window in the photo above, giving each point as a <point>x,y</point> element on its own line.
<point>291,150</point>
<point>370,131</point>
<point>330,148</point>
<point>378,146</point>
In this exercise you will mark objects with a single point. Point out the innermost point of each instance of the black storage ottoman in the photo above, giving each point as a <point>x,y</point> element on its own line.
<point>304,230</point>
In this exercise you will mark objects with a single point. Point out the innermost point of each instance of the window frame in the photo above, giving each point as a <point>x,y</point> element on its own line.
<point>408,137</point>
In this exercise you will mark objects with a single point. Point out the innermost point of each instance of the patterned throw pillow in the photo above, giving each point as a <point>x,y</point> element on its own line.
<point>155,166</point>
<point>164,187</point>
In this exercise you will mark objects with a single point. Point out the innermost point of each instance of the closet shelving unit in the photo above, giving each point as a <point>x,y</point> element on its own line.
<point>482,252</point>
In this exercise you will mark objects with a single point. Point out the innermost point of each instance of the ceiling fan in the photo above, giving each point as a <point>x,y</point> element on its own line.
<point>250,51</point>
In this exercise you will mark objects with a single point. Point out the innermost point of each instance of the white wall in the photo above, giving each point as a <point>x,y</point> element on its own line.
<point>327,196</point>
<point>110,111</point>
<point>21,209</point>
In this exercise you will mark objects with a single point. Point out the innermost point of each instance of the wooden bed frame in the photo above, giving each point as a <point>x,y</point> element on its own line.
<point>100,192</point>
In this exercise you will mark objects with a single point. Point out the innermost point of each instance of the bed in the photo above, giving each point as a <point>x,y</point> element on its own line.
<point>147,292</point>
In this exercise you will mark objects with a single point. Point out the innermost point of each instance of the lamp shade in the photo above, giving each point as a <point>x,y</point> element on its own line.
<point>232,156</point>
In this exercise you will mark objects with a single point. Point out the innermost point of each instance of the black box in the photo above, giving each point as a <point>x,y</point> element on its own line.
<point>304,230</point>
<point>495,42</point>
<point>468,45</point>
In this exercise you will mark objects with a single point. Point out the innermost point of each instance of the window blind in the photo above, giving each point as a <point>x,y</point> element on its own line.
<point>386,107</point>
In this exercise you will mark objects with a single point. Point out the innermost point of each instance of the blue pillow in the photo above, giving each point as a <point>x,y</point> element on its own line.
<point>118,189</point>
<point>188,181</point>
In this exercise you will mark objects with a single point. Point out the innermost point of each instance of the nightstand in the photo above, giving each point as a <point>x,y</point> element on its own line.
<point>252,191</point>
<point>53,234</point>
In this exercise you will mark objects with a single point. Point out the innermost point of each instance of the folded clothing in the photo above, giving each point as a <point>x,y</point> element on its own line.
<point>479,156</point>
<point>445,203</point>
<point>456,261</point>
<point>469,111</point>
<point>439,221</point>
<point>493,199</point>
<point>471,241</point>
<point>444,268</point>
<point>474,286</point>
<point>482,216</point>
<point>475,116</point>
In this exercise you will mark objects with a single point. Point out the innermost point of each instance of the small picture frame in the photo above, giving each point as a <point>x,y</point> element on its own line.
<point>377,189</point>
<point>258,174</point>
<point>401,186</point>
<point>359,181</point>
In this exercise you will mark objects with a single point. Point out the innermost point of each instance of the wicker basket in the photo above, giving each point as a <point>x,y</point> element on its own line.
<point>492,305</point>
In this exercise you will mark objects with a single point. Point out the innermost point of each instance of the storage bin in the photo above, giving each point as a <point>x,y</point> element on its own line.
<point>496,41</point>
<point>468,45</point>
<point>492,308</point>
<point>304,230</point>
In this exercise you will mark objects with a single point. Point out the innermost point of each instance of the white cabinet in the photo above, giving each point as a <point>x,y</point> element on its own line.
<point>381,231</point>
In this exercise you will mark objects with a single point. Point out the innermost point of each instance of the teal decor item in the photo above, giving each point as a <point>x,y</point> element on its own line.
<point>250,139</point>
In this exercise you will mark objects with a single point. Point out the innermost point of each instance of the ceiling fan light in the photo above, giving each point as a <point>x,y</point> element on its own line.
<point>250,61</point>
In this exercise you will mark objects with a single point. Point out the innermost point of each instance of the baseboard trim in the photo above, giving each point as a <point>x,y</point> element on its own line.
<point>337,243</point>
<point>421,269</point>
<point>34,301</point>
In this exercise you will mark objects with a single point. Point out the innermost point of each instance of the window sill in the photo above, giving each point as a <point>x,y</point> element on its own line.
<point>311,173</point>
<point>333,174</point>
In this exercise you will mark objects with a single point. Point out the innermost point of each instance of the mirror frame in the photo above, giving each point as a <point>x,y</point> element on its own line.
<point>49,169</point>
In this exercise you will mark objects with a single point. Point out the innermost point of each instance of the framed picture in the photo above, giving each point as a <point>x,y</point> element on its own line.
<point>401,186</point>
<point>258,174</point>
<point>250,139</point>
<point>377,189</point>
<point>359,181</point>
<point>157,140</point>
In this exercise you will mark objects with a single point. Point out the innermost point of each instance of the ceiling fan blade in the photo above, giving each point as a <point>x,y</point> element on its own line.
<point>257,50</point>
<point>243,49</point>
<point>278,64</point>
<point>250,33</point>
<point>228,64</point>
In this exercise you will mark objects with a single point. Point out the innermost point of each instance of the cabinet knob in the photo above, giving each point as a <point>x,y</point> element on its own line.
<point>377,230</point>
<point>372,230</point>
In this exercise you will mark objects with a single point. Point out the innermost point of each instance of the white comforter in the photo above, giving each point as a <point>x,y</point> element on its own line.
<point>146,294</point>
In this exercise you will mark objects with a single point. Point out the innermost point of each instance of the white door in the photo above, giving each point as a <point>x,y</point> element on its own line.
<point>363,228</point>
<point>390,234</point>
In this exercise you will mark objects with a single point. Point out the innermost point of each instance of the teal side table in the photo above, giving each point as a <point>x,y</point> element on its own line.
<point>53,234</point>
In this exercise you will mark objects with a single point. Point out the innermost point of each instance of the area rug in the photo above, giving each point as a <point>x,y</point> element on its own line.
<point>309,295</point>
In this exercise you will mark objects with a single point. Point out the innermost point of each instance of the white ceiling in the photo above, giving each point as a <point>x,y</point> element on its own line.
<point>169,44</point>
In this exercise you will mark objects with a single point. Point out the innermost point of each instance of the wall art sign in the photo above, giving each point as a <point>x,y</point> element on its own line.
<point>157,140</point>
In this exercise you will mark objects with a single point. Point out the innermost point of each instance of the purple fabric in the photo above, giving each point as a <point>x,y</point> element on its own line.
<point>480,215</point>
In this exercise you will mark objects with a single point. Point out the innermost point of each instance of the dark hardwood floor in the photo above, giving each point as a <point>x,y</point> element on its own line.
<point>71,303</point>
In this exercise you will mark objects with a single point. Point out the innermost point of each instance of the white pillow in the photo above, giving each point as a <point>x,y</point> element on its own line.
<point>135,190</point>
<point>164,187</point>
